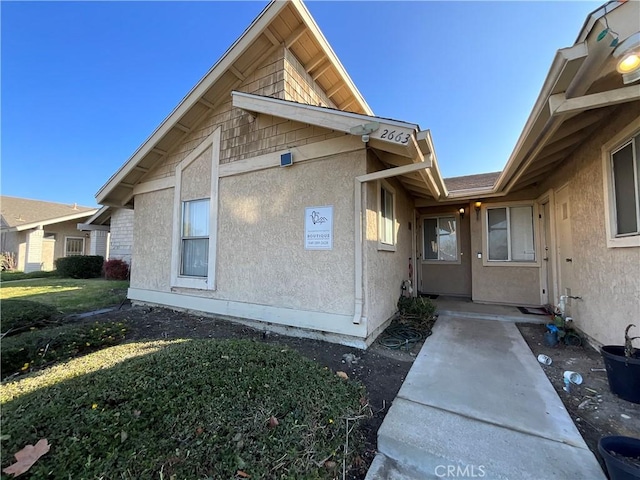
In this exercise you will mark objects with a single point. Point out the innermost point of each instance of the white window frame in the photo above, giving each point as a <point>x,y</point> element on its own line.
<point>485,236</point>
<point>390,247</point>
<point>178,280</point>
<point>426,260</point>
<point>608,149</point>
<point>183,237</point>
<point>66,238</point>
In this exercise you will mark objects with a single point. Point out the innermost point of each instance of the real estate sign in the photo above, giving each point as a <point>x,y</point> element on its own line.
<point>318,228</point>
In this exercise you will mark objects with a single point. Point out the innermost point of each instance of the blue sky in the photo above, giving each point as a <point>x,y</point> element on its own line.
<point>84,83</point>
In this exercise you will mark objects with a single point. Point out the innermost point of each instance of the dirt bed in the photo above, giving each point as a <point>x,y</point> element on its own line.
<point>594,409</point>
<point>380,369</point>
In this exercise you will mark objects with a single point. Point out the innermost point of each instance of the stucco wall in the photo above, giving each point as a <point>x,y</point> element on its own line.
<point>385,270</point>
<point>607,279</point>
<point>448,278</point>
<point>261,254</point>
<point>153,224</point>
<point>121,236</point>
<point>67,229</point>
<point>504,284</point>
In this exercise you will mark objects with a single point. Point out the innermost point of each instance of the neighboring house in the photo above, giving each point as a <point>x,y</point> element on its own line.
<point>273,193</point>
<point>117,225</point>
<point>37,233</point>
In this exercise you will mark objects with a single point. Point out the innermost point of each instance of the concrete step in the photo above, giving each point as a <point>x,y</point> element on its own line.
<point>385,468</point>
<point>437,443</point>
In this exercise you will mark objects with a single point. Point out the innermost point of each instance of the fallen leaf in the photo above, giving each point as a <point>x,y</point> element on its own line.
<point>123,436</point>
<point>273,422</point>
<point>136,413</point>
<point>342,375</point>
<point>199,430</point>
<point>242,474</point>
<point>330,464</point>
<point>27,457</point>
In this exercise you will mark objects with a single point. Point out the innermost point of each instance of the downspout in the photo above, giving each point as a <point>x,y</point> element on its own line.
<point>357,315</point>
<point>358,219</point>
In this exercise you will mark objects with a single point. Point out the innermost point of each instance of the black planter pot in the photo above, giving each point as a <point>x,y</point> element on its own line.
<point>623,373</point>
<point>613,450</point>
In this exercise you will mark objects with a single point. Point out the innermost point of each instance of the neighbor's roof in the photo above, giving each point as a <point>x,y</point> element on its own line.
<point>471,182</point>
<point>287,23</point>
<point>23,213</point>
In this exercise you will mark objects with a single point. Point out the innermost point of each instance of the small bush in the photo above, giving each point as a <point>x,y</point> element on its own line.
<point>8,261</point>
<point>418,307</point>
<point>116,270</point>
<point>18,315</point>
<point>37,347</point>
<point>80,266</point>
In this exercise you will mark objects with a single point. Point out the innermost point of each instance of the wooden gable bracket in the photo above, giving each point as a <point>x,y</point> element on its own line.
<point>315,61</point>
<point>559,104</point>
<point>295,35</point>
<point>336,88</point>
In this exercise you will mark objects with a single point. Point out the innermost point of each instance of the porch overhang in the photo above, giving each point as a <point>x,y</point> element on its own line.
<point>407,151</point>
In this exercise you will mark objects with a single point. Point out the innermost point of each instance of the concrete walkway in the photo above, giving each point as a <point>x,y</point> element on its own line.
<point>476,404</point>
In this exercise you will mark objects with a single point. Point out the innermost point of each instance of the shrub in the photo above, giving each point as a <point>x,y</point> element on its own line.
<point>18,315</point>
<point>116,270</point>
<point>417,307</point>
<point>8,261</point>
<point>80,266</point>
<point>37,347</point>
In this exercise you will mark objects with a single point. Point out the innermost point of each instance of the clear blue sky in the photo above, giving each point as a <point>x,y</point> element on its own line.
<point>84,84</point>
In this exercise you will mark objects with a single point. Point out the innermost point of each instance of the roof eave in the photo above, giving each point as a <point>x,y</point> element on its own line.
<point>51,221</point>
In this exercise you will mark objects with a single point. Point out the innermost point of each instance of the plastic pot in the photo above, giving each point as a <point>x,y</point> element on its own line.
<point>623,373</point>
<point>614,449</point>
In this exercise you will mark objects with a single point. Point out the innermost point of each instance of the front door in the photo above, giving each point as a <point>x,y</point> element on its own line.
<point>563,242</point>
<point>546,275</point>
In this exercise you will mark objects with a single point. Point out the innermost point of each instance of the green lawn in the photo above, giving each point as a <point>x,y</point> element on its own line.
<point>8,276</point>
<point>183,409</point>
<point>68,295</point>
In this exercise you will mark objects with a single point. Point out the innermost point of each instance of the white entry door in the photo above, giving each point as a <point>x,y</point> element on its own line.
<point>563,242</point>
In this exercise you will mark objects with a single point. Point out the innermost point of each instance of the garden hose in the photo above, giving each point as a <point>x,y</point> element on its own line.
<point>400,336</point>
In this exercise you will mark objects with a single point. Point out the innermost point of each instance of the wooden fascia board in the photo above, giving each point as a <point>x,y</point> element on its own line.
<point>565,67</point>
<point>263,20</point>
<point>324,45</point>
<point>435,181</point>
<point>559,104</point>
<point>100,216</point>
<point>51,221</point>
<point>88,227</point>
<point>331,119</point>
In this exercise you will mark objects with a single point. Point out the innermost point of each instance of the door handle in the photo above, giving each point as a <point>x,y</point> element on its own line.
<point>546,259</point>
<point>568,259</point>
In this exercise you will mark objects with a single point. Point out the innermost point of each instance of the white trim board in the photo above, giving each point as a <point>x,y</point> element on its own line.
<point>331,323</point>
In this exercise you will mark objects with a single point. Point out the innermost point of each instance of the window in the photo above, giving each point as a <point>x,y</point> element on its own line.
<point>386,218</point>
<point>510,234</point>
<point>440,239</point>
<point>195,238</point>
<point>74,246</point>
<point>625,168</point>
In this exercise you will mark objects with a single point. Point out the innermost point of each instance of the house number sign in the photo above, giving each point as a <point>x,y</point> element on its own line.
<point>318,228</point>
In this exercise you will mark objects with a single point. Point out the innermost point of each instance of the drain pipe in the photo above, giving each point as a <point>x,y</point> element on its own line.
<point>358,219</point>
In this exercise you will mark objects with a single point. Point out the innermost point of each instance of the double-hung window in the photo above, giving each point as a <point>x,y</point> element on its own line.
<point>195,238</point>
<point>386,217</point>
<point>440,239</point>
<point>510,234</point>
<point>625,167</point>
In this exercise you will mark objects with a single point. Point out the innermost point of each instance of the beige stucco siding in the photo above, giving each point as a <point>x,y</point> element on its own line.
<point>261,254</point>
<point>497,283</point>
<point>152,240</point>
<point>385,270</point>
<point>64,230</point>
<point>607,279</point>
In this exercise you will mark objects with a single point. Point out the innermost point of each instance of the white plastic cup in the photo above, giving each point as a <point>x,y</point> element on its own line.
<point>545,360</point>
<point>573,377</point>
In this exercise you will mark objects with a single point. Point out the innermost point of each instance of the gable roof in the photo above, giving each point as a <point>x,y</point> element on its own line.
<point>471,182</point>
<point>287,23</point>
<point>23,214</point>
